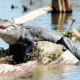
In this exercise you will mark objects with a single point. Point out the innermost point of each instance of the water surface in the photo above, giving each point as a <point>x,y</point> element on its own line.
<point>59,22</point>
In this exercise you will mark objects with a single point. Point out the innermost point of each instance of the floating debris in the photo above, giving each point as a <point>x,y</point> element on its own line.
<point>26,8</point>
<point>13,6</point>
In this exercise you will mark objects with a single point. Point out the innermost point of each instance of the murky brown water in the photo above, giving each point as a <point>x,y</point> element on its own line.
<point>59,22</point>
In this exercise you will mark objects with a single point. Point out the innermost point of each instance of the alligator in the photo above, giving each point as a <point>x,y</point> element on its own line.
<point>16,35</point>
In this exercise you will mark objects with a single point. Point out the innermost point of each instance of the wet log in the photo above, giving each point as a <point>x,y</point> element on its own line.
<point>61,6</point>
<point>68,6</point>
<point>42,53</point>
<point>52,52</point>
<point>48,50</point>
<point>66,58</point>
<point>75,32</point>
<point>32,15</point>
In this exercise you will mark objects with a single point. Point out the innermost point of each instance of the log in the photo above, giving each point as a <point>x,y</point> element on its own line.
<point>66,58</point>
<point>32,15</point>
<point>42,53</point>
<point>50,49</point>
<point>61,6</point>
<point>68,6</point>
<point>76,33</point>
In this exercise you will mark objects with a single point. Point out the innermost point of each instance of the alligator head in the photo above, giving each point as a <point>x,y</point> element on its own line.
<point>9,31</point>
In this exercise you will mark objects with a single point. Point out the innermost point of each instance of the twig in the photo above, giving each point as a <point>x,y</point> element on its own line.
<point>73,20</point>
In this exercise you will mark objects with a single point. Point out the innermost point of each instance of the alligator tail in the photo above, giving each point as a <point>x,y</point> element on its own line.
<point>72,47</point>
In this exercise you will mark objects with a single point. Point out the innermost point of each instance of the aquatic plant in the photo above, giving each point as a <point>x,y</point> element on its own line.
<point>7,59</point>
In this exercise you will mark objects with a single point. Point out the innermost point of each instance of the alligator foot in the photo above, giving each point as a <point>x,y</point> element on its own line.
<point>24,56</point>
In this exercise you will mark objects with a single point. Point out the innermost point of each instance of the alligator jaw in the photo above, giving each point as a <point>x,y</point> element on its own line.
<point>3,27</point>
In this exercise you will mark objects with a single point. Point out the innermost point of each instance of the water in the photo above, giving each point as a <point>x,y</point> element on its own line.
<point>67,72</point>
<point>60,72</point>
<point>59,22</point>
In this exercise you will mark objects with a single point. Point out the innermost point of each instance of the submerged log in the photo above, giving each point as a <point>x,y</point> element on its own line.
<point>32,15</point>
<point>57,6</point>
<point>61,6</point>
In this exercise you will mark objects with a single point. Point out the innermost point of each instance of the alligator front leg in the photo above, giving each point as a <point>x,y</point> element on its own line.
<point>72,47</point>
<point>30,44</point>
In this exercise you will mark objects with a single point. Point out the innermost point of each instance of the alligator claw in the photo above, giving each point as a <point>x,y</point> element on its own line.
<point>24,57</point>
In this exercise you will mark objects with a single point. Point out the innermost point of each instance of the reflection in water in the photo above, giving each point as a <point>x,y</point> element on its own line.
<point>58,73</point>
<point>59,20</point>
